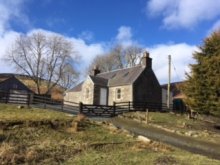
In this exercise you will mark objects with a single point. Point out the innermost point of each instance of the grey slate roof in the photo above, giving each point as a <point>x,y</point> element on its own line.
<point>118,77</point>
<point>122,76</point>
<point>99,80</point>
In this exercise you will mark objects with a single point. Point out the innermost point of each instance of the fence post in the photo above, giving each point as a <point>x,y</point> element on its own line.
<point>45,105</point>
<point>114,108</point>
<point>62,104</point>
<point>80,107</point>
<point>6,98</point>
<point>28,100</point>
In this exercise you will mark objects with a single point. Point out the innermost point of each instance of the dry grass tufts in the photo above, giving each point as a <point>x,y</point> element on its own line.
<point>160,147</point>
<point>78,124</point>
<point>74,127</point>
<point>166,160</point>
<point>140,146</point>
<point>10,155</point>
<point>80,117</point>
<point>31,155</point>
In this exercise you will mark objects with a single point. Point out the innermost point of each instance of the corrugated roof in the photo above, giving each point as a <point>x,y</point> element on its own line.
<point>122,76</point>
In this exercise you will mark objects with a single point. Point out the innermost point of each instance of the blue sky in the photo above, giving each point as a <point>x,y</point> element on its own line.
<point>163,27</point>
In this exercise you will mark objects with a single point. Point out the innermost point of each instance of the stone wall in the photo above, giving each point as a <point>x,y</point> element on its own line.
<point>126,94</point>
<point>82,96</point>
<point>72,97</point>
<point>87,85</point>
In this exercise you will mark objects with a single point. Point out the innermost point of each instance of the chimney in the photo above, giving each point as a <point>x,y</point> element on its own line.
<point>95,71</point>
<point>146,61</point>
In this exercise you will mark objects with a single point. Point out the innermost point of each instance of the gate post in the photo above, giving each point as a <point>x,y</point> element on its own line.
<point>80,107</point>
<point>129,106</point>
<point>114,108</point>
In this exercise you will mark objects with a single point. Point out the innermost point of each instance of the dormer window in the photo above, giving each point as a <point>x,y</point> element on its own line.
<point>118,93</point>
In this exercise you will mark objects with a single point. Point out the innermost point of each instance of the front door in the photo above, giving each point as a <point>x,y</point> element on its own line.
<point>103,96</point>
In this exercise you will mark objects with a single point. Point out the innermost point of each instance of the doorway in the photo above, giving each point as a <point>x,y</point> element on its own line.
<point>103,96</point>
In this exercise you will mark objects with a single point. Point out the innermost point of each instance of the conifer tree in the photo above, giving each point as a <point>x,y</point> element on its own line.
<point>202,88</point>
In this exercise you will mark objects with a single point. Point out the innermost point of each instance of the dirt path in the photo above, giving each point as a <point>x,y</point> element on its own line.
<point>187,143</point>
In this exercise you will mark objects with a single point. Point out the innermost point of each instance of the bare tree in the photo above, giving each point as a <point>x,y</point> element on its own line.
<point>43,57</point>
<point>104,62</point>
<point>117,58</point>
<point>69,79</point>
<point>133,55</point>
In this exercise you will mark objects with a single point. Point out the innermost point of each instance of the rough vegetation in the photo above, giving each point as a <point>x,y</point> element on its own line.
<point>37,136</point>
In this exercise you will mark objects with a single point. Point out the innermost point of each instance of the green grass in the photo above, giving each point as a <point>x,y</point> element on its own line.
<point>42,143</point>
<point>12,113</point>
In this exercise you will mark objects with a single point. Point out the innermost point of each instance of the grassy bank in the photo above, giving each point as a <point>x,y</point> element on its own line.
<point>38,136</point>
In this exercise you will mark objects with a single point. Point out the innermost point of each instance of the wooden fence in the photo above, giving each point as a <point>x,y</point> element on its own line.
<point>15,98</point>
<point>75,108</point>
<point>142,106</point>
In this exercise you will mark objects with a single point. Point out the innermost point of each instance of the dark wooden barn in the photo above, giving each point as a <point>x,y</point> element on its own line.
<point>14,91</point>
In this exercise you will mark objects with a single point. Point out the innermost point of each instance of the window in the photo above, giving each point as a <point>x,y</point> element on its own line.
<point>118,93</point>
<point>87,93</point>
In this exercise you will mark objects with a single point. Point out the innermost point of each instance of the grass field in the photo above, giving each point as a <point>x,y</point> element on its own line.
<point>38,136</point>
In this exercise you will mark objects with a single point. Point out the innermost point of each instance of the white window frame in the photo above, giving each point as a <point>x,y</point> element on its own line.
<point>118,92</point>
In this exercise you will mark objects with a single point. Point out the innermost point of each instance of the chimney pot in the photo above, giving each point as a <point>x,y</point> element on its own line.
<point>95,70</point>
<point>146,61</point>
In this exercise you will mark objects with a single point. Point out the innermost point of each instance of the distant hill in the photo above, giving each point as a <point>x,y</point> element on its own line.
<point>57,92</point>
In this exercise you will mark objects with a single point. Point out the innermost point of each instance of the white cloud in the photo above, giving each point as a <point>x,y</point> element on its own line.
<point>86,35</point>
<point>124,35</point>
<point>215,27</point>
<point>5,41</point>
<point>87,51</point>
<point>184,13</point>
<point>8,10</point>
<point>181,55</point>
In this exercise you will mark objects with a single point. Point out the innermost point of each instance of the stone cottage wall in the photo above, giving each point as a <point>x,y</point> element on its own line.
<point>72,97</point>
<point>88,84</point>
<point>126,94</point>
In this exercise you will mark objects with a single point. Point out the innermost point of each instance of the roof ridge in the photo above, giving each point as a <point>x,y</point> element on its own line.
<point>98,77</point>
<point>118,70</point>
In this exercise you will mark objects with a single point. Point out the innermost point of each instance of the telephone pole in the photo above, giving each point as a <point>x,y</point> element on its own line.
<point>168,85</point>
